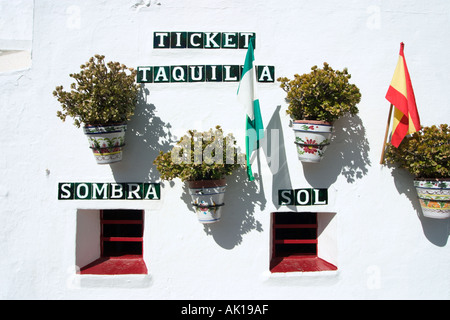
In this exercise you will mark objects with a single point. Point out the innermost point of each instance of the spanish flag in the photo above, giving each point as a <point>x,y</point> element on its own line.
<point>401,95</point>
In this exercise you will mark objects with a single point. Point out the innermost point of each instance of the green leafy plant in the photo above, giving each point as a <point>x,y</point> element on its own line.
<point>425,154</point>
<point>200,156</point>
<point>323,94</point>
<point>103,94</point>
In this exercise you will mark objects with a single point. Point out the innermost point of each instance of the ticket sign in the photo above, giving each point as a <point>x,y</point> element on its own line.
<point>108,191</point>
<point>179,73</point>
<point>303,197</point>
<point>201,40</point>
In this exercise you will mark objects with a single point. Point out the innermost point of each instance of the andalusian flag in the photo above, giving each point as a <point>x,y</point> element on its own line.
<point>254,129</point>
<point>400,94</point>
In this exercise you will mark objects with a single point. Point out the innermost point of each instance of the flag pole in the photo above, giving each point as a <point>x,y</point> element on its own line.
<point>386,134</point>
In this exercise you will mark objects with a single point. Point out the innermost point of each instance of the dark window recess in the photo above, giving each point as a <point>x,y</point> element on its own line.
<point>121,215</point>
<point>294,243</point>
<point>121,248</point>
<point>121,243</point>
<point>122,232</point>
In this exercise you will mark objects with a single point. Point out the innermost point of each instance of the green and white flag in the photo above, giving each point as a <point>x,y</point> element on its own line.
<point>247,95</point>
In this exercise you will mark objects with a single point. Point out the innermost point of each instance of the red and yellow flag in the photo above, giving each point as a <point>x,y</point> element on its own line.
<point>401,95</point>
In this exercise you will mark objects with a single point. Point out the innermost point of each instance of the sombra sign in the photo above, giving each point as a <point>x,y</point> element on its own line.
<point>105,191</point>
<point>303,197</point>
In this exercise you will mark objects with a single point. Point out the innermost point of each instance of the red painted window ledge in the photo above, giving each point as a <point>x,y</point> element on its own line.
<point>300,264</point>
<point>116,265</point>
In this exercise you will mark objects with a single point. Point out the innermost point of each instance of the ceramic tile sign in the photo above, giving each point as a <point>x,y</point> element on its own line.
<point>303,197</point>
<point>200,73</point>
<point>108,191</point>
<point>201,40</point>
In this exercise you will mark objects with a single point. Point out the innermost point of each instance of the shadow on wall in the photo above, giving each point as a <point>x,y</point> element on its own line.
<point>436,230</point>
<point>241,198</point>
<point>348,154</point>
<point>146,135</point>
<point>274,149</point>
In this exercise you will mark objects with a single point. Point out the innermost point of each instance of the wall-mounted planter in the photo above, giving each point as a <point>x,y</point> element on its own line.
<point>434,197</point>
<point>208,199</point>
<point>106,142</point>
<point>104,93</point>
<point>312,138</point>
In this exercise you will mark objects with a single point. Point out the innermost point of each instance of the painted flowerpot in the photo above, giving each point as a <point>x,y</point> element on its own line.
<point>434,197</point>
<point>312,138</point>
<point>106,142</point>
<point>207,198</point>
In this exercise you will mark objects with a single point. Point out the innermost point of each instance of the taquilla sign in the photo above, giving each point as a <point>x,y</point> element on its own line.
<point>200,73</point>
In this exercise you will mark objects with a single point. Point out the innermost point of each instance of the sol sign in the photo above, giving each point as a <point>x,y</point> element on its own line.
<point>303,197</point>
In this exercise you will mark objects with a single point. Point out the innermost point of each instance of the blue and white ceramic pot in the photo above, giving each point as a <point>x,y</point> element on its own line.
<point>312,139</point>
<point>208,199</point>
<point>434,197</point>
<point>106,142</point>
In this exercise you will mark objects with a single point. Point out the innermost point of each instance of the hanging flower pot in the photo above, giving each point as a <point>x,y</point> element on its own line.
<point>203,160</point>
<point>316,100</point>
<point>425,155</point>
<point>434,197</point>
<point>103,99</point>
<point>208,199</point>
<point>312,139</point>
<point>106,142</point>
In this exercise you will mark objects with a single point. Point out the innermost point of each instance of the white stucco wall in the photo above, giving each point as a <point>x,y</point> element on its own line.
<point>384,247</point>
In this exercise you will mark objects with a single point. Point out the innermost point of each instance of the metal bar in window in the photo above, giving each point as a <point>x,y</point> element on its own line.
<point>299,226</point>
<point>122,221</point>
<point>129,239</point>
<point>291,241</point>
